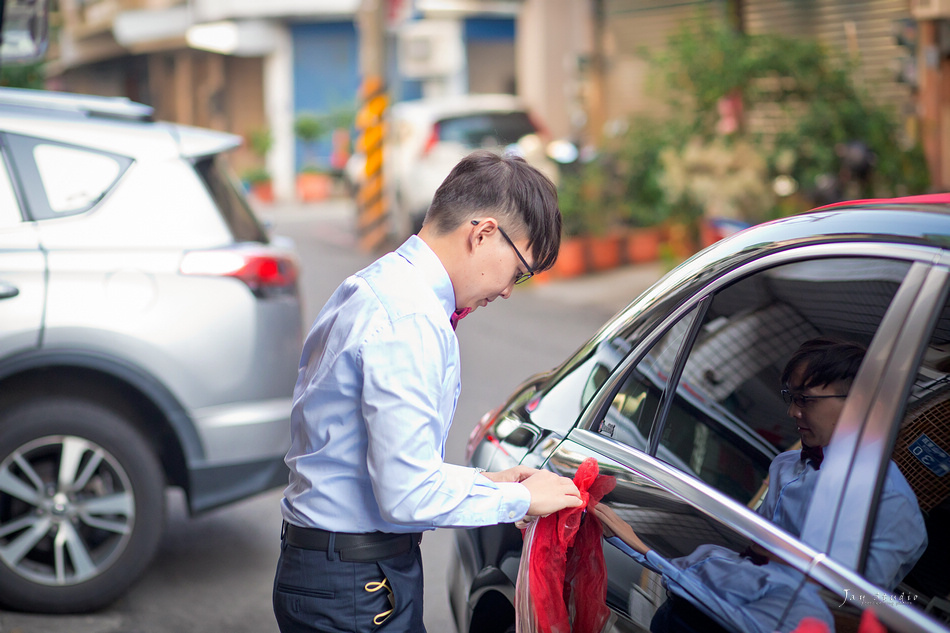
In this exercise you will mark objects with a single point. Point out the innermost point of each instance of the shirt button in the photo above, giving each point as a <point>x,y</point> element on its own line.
<point>511,515</point>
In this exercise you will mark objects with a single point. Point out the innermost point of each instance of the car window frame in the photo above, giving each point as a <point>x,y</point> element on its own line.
<point>7,163</point>
<point>28,182</point>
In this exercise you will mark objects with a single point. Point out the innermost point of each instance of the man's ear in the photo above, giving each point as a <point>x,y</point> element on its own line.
<point>482,228</point>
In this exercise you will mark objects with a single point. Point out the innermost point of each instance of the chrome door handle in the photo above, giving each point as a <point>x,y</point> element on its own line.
<point>7,291</point>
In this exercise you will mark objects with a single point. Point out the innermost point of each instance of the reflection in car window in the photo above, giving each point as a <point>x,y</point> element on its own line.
<point>74,179</point>
<point>634,407</point>
<point>230,203</point>
<point>9,207</point>
<point>691,571</point>
<point>728,420</point>
<point>729,426</point>
<point>922,452</point>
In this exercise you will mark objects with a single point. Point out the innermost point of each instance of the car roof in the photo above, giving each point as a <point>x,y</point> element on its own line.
<point>918,220</point>
<point>69,103</point>
<point>114,124</point>
<point>923,220</point>
<point>456,105</point>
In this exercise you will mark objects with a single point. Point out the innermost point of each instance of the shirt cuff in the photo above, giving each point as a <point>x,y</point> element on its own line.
<point>515,500</point>
<point>626,549</point>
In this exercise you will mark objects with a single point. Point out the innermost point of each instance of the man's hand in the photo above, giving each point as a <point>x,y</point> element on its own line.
<point>512,475</point>
<point>550,493</point>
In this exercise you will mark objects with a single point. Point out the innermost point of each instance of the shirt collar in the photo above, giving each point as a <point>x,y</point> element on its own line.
<point>427,263</point>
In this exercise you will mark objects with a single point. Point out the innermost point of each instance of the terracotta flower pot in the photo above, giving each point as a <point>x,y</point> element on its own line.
<point>643,244</point>
<point>313,187</point>
<point>263,191</point>
<point>571,259</point>
<point>603,251</point>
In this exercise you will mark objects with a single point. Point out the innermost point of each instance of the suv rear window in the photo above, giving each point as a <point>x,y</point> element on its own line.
<point>230,202</point>
<point>485,130</point>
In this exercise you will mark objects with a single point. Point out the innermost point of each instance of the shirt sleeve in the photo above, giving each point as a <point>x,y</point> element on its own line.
<point>405,386</point>
<point>899,537</point>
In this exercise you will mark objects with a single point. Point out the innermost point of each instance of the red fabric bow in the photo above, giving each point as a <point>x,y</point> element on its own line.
<point>567,575</point>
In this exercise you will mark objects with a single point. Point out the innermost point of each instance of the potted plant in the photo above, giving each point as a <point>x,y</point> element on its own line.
<point>259,184</point>
<point>313,183</point>
<point>258,179</point>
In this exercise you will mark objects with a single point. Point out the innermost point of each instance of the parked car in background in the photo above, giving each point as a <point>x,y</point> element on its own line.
<point>677,398</point>
<point>149,336</point>
<point>427,137</point>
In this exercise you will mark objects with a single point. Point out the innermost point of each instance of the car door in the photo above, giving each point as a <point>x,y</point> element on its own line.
<point>22,271</point>
<point>689,422</point>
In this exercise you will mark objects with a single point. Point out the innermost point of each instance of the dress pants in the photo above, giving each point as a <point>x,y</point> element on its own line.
<point>316,591</point>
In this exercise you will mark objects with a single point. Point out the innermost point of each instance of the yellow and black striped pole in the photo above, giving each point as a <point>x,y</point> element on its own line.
<point>372,220</point>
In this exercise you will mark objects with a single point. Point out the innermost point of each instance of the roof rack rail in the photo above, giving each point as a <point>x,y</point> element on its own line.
<point>88,105</point>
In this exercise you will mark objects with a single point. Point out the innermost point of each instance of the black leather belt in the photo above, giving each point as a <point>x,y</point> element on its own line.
<point>354,548</point>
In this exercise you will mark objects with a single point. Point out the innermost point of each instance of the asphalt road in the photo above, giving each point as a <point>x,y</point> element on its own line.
<point>214,572</point>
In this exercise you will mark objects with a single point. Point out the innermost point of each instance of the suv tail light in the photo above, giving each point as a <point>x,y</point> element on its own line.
<point>432,140</point>
<point>542,130</point>
<point>266,274</point>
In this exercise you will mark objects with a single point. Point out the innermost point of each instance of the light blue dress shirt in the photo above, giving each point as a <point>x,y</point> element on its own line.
<point>899,536</point>
<point>735,592</point>
<point>376,391</point>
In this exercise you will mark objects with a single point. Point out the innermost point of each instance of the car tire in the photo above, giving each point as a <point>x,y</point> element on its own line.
<point>81,505</point>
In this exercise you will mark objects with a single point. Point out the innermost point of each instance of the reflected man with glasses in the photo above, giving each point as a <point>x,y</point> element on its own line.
<point>714,589</point>
<point>376,391</point>
<point>816,381</point>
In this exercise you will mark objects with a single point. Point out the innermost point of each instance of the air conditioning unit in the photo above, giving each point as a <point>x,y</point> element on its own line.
<point>930,9</point>
<point>430,48</point>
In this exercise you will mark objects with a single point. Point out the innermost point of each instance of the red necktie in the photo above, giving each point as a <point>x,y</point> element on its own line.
<point>813,453</point>
<point>457,316</point>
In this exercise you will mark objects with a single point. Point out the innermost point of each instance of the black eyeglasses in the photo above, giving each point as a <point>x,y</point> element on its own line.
<point>522,277</point>
<point>801,400</point>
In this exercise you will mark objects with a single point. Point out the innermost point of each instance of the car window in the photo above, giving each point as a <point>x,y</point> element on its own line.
<point>9,206</point>
<point>59,179</point>
<point>74,179</point>
<point>633,409</point>
<point>731,420</point>
<point>728,425</point>
<point>230,202</point>
<point>486,130</point>
<point>922,455</point>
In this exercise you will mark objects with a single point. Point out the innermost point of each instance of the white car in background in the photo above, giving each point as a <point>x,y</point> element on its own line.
<point>150,329</point>
<point>427,137</point>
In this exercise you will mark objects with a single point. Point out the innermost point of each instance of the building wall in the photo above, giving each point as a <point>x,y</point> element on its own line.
<point>862,30</point>
<point>552,36</point>
<point>490,51</point>
<point>635,29</point>
<point>325,75</point>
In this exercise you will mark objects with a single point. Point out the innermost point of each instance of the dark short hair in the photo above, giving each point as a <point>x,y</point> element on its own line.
<point>826,360</point>
<point>523,198</point>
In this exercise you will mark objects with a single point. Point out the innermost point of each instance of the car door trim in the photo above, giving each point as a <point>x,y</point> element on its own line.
<point>746,523</point>
<point>701,496</point>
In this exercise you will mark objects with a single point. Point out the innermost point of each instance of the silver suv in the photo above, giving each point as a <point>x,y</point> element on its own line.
<point>149,337</point>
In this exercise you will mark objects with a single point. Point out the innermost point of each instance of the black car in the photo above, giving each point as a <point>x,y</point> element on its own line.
<point>677,398</point>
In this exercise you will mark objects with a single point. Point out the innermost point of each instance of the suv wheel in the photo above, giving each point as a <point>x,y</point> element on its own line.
<point>81,505</point>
